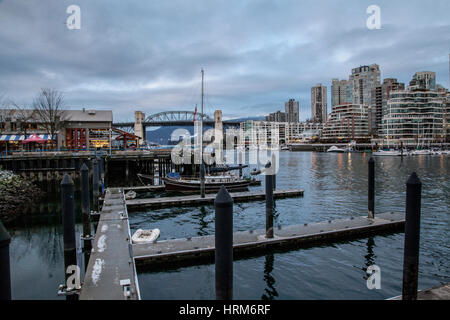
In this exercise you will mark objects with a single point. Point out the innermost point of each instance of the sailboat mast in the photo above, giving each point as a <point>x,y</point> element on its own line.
<point>202,166</point>
<point>203,94</point>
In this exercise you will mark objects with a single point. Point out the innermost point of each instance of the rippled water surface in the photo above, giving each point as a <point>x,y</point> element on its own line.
<point>335,187</point>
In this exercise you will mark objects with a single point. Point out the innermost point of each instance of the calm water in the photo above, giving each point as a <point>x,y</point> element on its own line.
<point>335,187</point>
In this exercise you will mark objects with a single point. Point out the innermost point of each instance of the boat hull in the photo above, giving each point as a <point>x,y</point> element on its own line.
<point>175,185</point>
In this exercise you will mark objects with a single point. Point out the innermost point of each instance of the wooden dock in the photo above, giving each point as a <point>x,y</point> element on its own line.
<point>193,200</point>
<point>441,292</point>
<point>155,188</point>
<point>111,272</point>
<point>197,249</point>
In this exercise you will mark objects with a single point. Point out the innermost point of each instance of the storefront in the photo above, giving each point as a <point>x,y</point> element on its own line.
<point>13,142</point>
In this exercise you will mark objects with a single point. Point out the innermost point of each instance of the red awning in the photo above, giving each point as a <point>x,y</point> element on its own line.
<point>34,138</point>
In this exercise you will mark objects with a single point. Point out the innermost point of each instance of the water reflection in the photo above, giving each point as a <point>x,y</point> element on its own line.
<point>270,293</point>
<point>370,256</point>
<point>203,224</point>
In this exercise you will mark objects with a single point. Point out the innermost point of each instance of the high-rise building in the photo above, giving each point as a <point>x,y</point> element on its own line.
<point>292,109</point>
<point>424,80</point>
<point>362,82</point>
<point>380,96</point>
<point>276,117</point>
<point>319,103</point>
<point>347,122</point>
<point>417,114</point>
<point>339,89</point>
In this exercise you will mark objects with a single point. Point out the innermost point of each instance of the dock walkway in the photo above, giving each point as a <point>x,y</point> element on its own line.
<point>441,292</point>
<point>251,242</point>
<point>208,199</point>
<point>111,272</point>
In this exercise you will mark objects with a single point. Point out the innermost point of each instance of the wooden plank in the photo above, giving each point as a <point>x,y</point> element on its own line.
<point>441,292</point>
<point>111,260</point>
<point>191,249</point>
<point>209,198</point>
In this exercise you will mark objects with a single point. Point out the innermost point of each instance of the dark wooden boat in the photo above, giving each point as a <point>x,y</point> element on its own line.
<point>212,184</point>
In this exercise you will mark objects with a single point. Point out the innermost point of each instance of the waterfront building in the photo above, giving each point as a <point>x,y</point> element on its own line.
<point>362,82</point>
<point>416,115</point>
<point>260,132</point>
<point>319,103</point>
<point>340,92</point>
<point>78,129</point>
<point>292,111</point>
<point>347,122</point>
<point>380,96</point>
<point>276,117</point>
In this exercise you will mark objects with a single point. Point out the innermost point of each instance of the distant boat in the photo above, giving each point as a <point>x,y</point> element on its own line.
<point>421,152</point>
<point>336,150</point>
<point>388,153</point>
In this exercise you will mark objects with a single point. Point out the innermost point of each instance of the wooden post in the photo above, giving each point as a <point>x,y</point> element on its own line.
<point>412,238</point>
<point>224,245</point>
<point>68,219</point>
<point>371,195</point>
<point>5,271</point>
<point>269,202</point>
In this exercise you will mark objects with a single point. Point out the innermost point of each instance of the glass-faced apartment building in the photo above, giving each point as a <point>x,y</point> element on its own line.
<point>415,116</point>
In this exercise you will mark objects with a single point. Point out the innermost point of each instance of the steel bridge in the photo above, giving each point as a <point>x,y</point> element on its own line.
<point>174,118</point>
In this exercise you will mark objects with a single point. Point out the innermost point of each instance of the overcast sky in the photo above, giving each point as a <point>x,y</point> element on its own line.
<point>147,55</point>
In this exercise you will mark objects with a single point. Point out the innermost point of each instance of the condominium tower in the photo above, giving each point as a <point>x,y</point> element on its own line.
<point>340,92</point>
<point>319,103</point>
<point>292,110</point>
<point>362,81</point>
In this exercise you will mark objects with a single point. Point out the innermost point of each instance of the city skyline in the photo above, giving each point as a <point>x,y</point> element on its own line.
<point>133,58</point>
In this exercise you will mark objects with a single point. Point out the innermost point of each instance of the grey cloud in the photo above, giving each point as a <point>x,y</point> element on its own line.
<point>257,54</point>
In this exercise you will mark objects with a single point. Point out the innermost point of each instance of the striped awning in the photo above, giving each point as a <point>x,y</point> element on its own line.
<point>18,137</point>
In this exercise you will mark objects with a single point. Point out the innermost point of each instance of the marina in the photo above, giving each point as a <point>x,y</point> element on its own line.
<point>179,223</point>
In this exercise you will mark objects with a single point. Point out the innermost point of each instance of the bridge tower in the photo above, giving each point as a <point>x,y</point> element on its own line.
<point>139,118</point>
<point>218,135</point>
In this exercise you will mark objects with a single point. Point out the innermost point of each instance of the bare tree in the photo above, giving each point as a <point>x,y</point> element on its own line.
<point>5,111</point>
<point>24,117</point>
<point>48,107</point>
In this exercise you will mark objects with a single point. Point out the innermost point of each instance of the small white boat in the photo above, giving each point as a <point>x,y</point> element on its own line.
<point>387,153</point>
<point>336,150</point>
<point>420,152</point>
<point>130,195</point>
<point>145,236</point>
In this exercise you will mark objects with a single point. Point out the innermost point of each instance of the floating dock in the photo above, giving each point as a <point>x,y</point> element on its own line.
<point>193,200</point>
<point>441,292</point>
<point>111,272</point>
<point>246,243</point>
<point>154,188</point>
